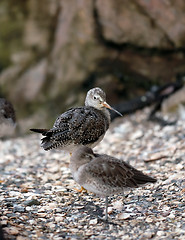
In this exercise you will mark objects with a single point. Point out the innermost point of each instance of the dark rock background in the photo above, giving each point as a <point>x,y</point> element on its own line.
<point>53,51</point>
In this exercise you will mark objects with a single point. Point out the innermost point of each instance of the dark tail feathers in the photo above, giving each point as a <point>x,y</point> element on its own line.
<point>141,178</point>
<point>42,131</point>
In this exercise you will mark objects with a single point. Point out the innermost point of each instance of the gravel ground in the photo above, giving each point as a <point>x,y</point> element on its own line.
<point>39,201</point>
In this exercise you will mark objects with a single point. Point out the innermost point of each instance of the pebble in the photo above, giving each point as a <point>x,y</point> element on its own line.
<point>59,219</point>
<point>18,208</point>
<point>118,205</point>
<point>171,215</point>
<point>11,230</point>
<point>124,216</point>
<point>93,221</point>
<point>136,135</point>
<point>31,202</point>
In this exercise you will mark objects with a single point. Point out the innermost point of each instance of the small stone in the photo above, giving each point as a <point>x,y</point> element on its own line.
<point>149,220</point>
<point>160,233</point>
<point>11,230</point>
<point>24,190</point>
<point>165,214</point>
<point>18,208</point>
<point>41,214</point>
<point>4,222</point>
<point>11,199</point>
<point>59,219</point>
<point>109,210</point>
<point>29,208</point>
<point>14,193</point>
<point>147,235</point>
<point>21,238</point>
<point>118,205</point>
<point>136,135</point>
<point>32,221</point>
<point>32,202</point>
<point>171,215</point>
<point>93,221</point>
<point>50,225</point>
<point>124,216</point>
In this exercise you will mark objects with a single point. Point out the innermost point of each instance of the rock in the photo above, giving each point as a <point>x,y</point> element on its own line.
<point>149,220</point>
<point>136,135</point>
<point>117,29</point>
<point>11,230</point>
<point>43,74</point>
<point>21,238</point>
<point>18,208</point>
<point>124,216</point>
<point>59,219</point>
<point>30,83</point>
<point>118,205</point>
<point>93,221</point>
<point>171,215</point>
<point>32,202</point>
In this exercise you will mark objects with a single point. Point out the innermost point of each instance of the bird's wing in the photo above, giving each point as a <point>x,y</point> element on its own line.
<point>110,171</point>
<point>116,173</point>
<point>83,125</point>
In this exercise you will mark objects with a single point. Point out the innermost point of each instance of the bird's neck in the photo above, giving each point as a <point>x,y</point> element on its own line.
<point>75,164</point>
<point>106,113</point>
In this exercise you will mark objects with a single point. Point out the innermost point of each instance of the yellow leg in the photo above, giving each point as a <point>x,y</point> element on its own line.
<point>80,190</point>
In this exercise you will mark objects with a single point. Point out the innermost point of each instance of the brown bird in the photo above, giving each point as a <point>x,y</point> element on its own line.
<point>7,118</point>
<point>104,175</point>
<point>79,126</point>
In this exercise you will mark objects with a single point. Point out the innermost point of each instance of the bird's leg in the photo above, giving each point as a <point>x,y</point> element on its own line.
<point>106,208</point>
<point>81,189</point>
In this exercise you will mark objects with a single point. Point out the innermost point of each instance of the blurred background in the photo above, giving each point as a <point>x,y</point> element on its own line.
<point>53,51</point>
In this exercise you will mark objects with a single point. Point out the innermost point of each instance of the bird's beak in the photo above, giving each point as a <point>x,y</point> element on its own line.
<point>108,106</point>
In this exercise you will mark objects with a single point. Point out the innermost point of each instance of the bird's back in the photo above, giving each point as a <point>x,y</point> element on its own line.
<point>106,175</point>
<point>77,126</point>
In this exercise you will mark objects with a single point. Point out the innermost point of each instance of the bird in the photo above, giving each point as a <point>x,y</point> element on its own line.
<point>78,126</point>
<point>7,118</point>
<point>1,233</point>
<point>103,174</point>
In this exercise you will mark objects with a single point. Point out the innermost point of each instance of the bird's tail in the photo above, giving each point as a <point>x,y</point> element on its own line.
<point>42,131</point>
<point>141,178</point>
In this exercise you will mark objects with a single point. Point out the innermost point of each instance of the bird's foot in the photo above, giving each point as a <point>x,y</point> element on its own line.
<point>80,190</point>
<point>103,219</point>
<point>107,221</point>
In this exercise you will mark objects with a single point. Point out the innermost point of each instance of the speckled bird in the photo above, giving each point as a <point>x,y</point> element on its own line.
<point>79,126</point>
<point>7,118</point>
<point>104,175</point>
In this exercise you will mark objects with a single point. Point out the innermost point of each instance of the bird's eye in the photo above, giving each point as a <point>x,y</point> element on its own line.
<point>95,97</point>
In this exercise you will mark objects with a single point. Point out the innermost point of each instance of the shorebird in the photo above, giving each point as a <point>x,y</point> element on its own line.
<point>79,126</point>
<point>7,118</point>
<point>104,175</point>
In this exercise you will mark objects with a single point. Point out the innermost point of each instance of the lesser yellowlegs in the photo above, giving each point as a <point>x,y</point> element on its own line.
<point>79,126</point>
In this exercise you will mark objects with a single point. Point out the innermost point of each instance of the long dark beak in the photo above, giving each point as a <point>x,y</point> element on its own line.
<point>108,106</point>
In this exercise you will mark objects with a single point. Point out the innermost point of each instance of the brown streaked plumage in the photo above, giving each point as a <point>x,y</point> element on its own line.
<point>104,175</point>
<point>7,118</point>
<point>79,126</point>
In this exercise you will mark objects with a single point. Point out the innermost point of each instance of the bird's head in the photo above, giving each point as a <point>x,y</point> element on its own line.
<point>96,98</point>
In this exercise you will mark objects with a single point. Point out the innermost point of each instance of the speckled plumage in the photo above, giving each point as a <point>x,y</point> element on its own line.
<point>7,118</point>
<point>75,127</point>
<point>104,175</point>
<point>79,126</point>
